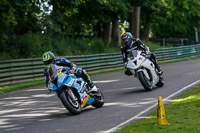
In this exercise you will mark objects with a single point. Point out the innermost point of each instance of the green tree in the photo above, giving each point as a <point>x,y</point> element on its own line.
<point>180,20</point>
<point>88,17</point>
<point>7,22</point>
<point>152,12</point>
<point>61,15</point>
<point>26,14</point>
<point>17,18</point>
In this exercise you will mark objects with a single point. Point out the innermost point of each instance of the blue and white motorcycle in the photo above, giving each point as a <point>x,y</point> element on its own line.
<point>73,91</point>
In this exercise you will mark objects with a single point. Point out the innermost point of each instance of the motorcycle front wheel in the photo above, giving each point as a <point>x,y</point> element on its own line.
<point>71,103</point>
<point>147,84</point>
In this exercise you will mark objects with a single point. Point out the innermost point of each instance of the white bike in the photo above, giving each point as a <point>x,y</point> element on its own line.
<point>144,69</point>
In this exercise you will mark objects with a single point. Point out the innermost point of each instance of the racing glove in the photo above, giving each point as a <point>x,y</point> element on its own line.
<point>148,54</point>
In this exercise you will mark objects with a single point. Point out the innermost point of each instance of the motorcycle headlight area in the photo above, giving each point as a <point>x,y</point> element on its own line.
<point>131,55</point>
<point>140,58</point>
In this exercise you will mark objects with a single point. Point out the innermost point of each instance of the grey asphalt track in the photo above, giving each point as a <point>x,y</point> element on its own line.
<point>34,111</point>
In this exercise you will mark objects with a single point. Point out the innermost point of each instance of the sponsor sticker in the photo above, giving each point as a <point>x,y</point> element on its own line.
<point>70,83</point>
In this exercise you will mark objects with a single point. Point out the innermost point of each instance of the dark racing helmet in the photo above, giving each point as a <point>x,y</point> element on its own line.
<point>126,38</point>
<point>48,58</point>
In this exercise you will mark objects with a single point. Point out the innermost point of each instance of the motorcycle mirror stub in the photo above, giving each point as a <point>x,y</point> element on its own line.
<point>140,58</point>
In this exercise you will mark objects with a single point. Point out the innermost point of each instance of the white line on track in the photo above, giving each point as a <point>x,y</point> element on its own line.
<point>149,108</point>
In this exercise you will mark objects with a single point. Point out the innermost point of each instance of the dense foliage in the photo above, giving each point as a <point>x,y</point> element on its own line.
<point>67,27</point>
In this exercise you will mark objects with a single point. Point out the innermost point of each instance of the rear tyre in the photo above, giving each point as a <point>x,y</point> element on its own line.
<point>98,99</point>
<point>147,84</point>
<point>70,103</point>
<point>160,82</point>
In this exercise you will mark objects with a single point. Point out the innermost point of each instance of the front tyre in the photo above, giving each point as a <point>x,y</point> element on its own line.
<point>98,99</point>
<point>147,84</point>
<point>70,102</point>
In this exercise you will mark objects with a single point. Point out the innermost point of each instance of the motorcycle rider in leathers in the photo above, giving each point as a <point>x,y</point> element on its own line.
<point>134,43</point>
<point>48,59</point>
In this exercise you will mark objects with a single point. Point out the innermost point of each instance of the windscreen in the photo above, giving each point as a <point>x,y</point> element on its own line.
<point>53,71</point>
<point>134,53</point>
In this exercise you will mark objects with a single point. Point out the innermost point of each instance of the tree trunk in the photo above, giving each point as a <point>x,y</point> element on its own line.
<point>115,33</point>
<point>135,22</point>
<point>98,30</point>
<point>106,31</point>
<point>147,29</point>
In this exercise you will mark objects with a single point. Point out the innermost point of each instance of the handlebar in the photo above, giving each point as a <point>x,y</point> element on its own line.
<point>65,70</point>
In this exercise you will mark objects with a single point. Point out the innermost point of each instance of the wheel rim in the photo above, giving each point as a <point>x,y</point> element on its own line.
<point>98,95</point>
<point>72,101</point>
<point>147,81</point>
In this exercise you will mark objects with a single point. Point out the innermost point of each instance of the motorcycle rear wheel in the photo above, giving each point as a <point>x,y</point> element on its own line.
<point>72,105</point>
<point>144,81</point>
<point>160,82</point>
<point>98,99</point>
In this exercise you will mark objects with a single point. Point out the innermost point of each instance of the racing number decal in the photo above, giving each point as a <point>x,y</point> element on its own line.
<point>61,78</point>
<point>59,72</point>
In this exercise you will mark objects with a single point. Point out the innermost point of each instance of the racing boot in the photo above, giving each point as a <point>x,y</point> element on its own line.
<point>160,72</point>
<point>153,59</point>
<point>92,86</point>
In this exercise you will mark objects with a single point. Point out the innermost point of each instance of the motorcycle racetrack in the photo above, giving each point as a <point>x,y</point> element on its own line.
<point>34,111</point>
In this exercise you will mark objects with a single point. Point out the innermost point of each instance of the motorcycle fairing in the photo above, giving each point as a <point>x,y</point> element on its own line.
<point>52,87</point>
<point>149,65</point>
<point>137,61</point>
<point>78,84</point>
<point>69,80</point>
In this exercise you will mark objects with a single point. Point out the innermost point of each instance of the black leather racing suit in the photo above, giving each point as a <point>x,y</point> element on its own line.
<point>138,45</point>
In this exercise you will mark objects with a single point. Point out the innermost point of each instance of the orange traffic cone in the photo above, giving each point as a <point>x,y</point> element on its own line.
<point>161,116</point>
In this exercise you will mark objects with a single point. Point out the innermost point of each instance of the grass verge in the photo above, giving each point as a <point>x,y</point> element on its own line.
<point>14,87</point>
<point>183,113</point>
<point>180,60</point>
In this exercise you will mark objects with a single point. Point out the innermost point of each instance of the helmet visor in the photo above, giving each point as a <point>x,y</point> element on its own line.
<point>48,62</point>
<point>125,41</point>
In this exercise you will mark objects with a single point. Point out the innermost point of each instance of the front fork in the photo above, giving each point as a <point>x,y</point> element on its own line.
<point>145,73</point>
<point>71,94</point>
